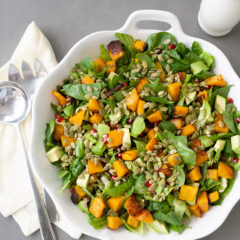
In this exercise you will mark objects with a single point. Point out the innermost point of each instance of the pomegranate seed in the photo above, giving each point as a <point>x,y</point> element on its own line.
<point>115,126</point>
<point>119,155</point>
<point>105,136</point>
<point>158,51</point>
<point>125,84</point>
<point>156,123</point>
<point>88,198</point>
<point>151,191</point>
<point>230,100</point>
<point>108,124</point>
<point>201,88</point>
<point>59,118</point>
<point>119,149</point>
<point>105,141</point>
<point>130,121</point>
<point>235,159</point>
<point>172,46</point>
<point>209,87</point>
<point>238,120</point>
<point>198,81</point>
<point>93,130</point>
<point>114,177</point>
<point>70,100</point>
<point>71,190</point>
<point>148,184</point>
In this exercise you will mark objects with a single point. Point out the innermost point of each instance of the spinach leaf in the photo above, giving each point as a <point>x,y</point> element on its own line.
<point>118,96</point>
<point>69,110</point>
<point>171,217</point>
<point>99,148</point>
<point>181,49</point>
<point>223,91</point>
<point>204,74</point>
<point>227,151</point>
<point>80,91</point>
<point>144,57</point>
<point>65,176</point>
<point>97,222</point>
<point>229,118</point>
<point>120,189</point>
<point>221,136</point>
<point>141,147</point>
<point>155,39</point>
<point>140,186</point>
<point>209,184</point>
<point>196,48</point>
<point>156,87</point>
<point>48,141</point>
<point>80,149</point>
<point>161,100</point>
<point>181,175</point>
<point>138,127</point>
<point>76,167</point>
<point>104,54</point>
<point>178,228</point>
<point>192,57</point>
<point>86,64</point>
<point>167,125</point>
<point>112,103</point>
<point>126,39</point>
<point>204,173</point>
<point>208,59</point>
<point>159,206</point>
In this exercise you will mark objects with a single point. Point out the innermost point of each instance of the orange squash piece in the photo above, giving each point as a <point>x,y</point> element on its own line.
<point>92,168</point>
<point>181,75</point>
<point>213,197</point>
<point>225,171</point>
<point>216,81</point>
<point>195,144</point>
<point>58,132</point>
<point>201,157</point>
<point>139,45</point>
<point>130,155</point>
<point>97,207</point>
<point>188,130</point>
<point>94,105</point>
<point>66,141</point>
<point>145,216</point>
<point>203,94</point>
<point>61,99</point>
<point>174,90</point>
<point>115,203</point>
<point>195,210</point>
<point>212,173</point>
<point>177,122</point>
<point>132,100</point>
<point>159,67</point>
<point>114,222</point>
<point>95,118</point>
<point>115,50</point>
<point>188,193</point>
<point>78,117</point>
<point>133,207</point>
<point>202,201</point>
<point>132,221</point>
<point>101,64</point>
<point>116,137</point>
<point>140,107</point>
<point>195,174</point>
<point>87,80</point>
<point>218,127</point>
<point>81,194</point>
<point>165,169</point>
<point>111,66</point>
<point>155,117</point>
<point>150,144</point>
<point>120,168</point>
<point>141,84</point>
<point>151,133</point>
<point>174,159</point>
<point>180,111</point>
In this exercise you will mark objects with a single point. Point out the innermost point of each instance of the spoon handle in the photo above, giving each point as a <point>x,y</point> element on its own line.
<point>45,224</point>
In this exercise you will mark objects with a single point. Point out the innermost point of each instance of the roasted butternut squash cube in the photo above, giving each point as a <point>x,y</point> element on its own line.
<point>145,216</point>
<point>212,173</point>
<point>81,194</point>
<point>140,107</point>
<point>97,207</point>
<point>87,80</point>
<point>201,157</point>
<point>120,168</point>
<point>159,67</point>
<point>213,197</point>
<point>116,137</point>
<point>174,90</point>
<point>141,84</point>
<point>195,143</point>
<point>94,105</point>
<point>132,221</point>
<point>202,201</point>
<point>202,94</point>
<point>95,118</point>
<point>61,99</point>
<point>225,171</point>
<point>195,210</point>
<point>150,144</point>
<point>115,203</point>
<point>165,169</point>
<point>180,111</point>
<point>177,122</point>
<point>133,207</point>
<point>188,193</point>
<point>151,133</point>
<point>195,174</point>
<point>111,66</point>
<point>78,117</point>
<point>216,81</point>
<point>114,222</point>
<point>115,50</point>
<point>58,132</point>
<point>139,45</point>
<point>101,64</point>
<point>92,168</point>
<point>220,126</point>
<point>155,117</point>
<point>130,155</point>
<point>188,130</point>
<point>132,100</point>
<point>174,159</point>
<point>66,141</point>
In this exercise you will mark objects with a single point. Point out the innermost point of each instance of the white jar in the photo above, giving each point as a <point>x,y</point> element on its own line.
<point>218,17</point>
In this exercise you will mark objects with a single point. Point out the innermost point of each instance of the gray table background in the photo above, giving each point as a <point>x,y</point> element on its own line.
<point>64,22</point>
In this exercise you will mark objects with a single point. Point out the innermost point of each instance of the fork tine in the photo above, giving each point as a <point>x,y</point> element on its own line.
<point>13,73</point>
<point>39,68</point>
<point>27,71</point>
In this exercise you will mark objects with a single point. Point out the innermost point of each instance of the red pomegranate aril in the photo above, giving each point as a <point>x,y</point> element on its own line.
<point>198,81</point>
<point>156,123</point>
<point>230,100</point>
<point>172,46</point>
<point>105,141</point>
<point>209,87</point>
<point>130,121</point>
<point>119,155</point>
<point>115,126</point>
<point>93,130</point>
<point>105,136</point>
<point>148,184</point>
<point>70,100</point>
<point>71,190</point>
<point>125,84</point>
<point>235,159</point>
<point>59,118</point>
<point>238,120</point>
<point>158,51</point>
<point>108,124</point>
<point>201,88</point>
<point>119,149</point>
<point>88,198</point>
<point>114,177</point>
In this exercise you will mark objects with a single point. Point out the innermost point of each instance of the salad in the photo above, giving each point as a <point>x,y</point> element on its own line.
<point>145,135</point>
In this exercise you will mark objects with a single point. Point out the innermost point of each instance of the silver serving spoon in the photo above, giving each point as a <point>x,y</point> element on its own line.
<point>15,105</point>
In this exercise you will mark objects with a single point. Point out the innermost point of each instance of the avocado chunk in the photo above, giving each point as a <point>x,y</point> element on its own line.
<point>219,145</point>
<point>220,104</point>
<point>235,141</point>
<point>197,67</point>
<point>83,178</point>
<point>190,97</point>
<point>126,138</point>
<point>159,227</point>
<point>54,154</point>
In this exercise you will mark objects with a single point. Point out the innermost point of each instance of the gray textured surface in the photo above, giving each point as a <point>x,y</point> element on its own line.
<point>65,22</point>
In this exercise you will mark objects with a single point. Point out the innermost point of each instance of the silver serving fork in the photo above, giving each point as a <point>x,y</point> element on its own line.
<point>30,83</point>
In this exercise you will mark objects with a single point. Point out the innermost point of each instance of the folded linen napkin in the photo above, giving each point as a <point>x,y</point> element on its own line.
<point>15,191</point>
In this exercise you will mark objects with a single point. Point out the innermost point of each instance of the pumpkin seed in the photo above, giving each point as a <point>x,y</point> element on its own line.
<point>168,67</point>
<point>167,41</point>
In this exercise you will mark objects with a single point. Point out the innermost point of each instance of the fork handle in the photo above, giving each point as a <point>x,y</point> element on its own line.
<point>46,229</point>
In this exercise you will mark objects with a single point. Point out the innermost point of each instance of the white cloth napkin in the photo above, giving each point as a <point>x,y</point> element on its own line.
<point>15,191</point>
